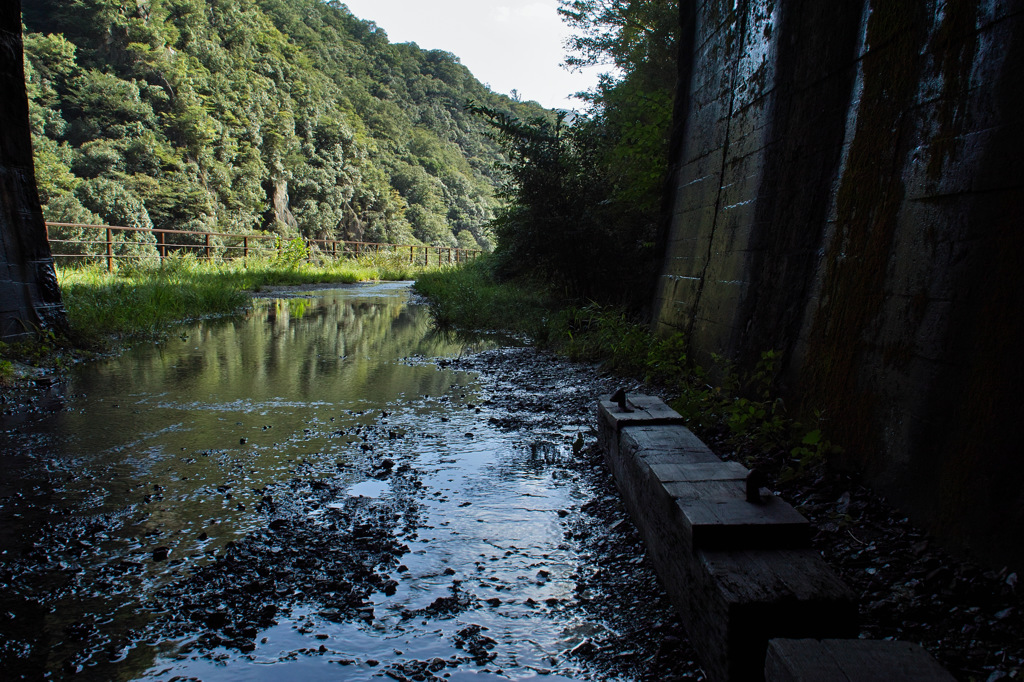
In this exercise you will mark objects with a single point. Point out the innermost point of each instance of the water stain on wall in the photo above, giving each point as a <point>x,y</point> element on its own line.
<point>847,193</point>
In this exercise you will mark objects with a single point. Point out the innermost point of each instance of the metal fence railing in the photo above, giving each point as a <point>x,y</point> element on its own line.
<point>114,242</point>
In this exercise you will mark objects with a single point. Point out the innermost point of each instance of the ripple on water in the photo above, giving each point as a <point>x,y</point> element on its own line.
<point>305,491</point>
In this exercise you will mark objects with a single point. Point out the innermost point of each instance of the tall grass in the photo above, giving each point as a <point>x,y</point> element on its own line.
<point>469,297</point>
<point>718,402</point>
<point>143,299</point>
<point>472,298</point>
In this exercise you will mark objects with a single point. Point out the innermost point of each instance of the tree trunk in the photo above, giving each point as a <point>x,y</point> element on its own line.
<point>30,299</point>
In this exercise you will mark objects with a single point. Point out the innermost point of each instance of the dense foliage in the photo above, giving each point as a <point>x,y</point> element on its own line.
<point>737,410</point>
<point>584,194</point>
<point>241,115</point>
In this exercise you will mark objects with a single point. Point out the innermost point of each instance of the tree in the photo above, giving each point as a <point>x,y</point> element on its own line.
<point>625,33</point>
<point>289,115</point>
<point>584,199</point>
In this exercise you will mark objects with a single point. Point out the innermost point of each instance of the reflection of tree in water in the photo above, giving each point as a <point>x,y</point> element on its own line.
<point>329,348</point>
<point>334,347</point>
<point>90,575</point>
<point>468,341</point>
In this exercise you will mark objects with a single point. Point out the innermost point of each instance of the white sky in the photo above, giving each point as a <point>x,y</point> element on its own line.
<point>507,44</point>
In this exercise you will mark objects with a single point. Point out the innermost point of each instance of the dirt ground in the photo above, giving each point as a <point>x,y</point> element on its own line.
<point>968,616</point>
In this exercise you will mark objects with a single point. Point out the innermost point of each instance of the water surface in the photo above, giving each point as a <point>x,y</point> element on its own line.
<point>309,490</point>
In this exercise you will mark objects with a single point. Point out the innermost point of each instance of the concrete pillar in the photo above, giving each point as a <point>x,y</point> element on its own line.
<point>30,298</point>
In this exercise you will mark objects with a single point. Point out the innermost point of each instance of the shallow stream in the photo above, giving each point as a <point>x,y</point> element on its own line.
<point>324,488</point>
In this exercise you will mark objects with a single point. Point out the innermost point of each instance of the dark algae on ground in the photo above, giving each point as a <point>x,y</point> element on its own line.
<point>325,488</point>
<point>330,489</point>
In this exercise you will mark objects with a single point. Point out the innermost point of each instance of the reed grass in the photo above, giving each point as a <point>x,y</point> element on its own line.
<point>717,402</point>
<point>146,298</point>
<point>470,298</point>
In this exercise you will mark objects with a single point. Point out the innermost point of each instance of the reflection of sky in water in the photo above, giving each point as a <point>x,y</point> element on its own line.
<point>179,439</point>
<point>371,488</point>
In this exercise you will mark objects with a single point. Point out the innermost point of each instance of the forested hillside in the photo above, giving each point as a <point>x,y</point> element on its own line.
<point>242,115</point>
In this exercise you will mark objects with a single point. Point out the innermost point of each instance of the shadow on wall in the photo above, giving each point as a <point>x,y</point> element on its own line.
<point>30,299</point>
<point>845,194</point>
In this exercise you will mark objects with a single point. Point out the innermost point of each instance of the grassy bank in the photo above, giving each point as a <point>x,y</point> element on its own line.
<point>738,411</point>
<point>144,299</point>
<point>469,298</point>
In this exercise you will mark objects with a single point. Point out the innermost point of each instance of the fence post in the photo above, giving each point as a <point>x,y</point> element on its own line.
<point>452,255</point>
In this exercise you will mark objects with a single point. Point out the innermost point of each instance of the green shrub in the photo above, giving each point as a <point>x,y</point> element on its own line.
<point>716,401</point>
<point>469,297</point>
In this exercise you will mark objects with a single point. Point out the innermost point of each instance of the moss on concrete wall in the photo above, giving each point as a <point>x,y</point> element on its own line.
<point>868,202</point>
<point>848,193</point>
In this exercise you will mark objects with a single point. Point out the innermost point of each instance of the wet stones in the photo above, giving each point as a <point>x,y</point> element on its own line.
<point>384,468</point>
<point>429,670</point>
<point>296,560</point>
<point>477,644</point>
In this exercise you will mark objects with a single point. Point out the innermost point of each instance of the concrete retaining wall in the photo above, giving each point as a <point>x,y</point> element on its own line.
<point>30,298</point>
<point>848,192</point>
